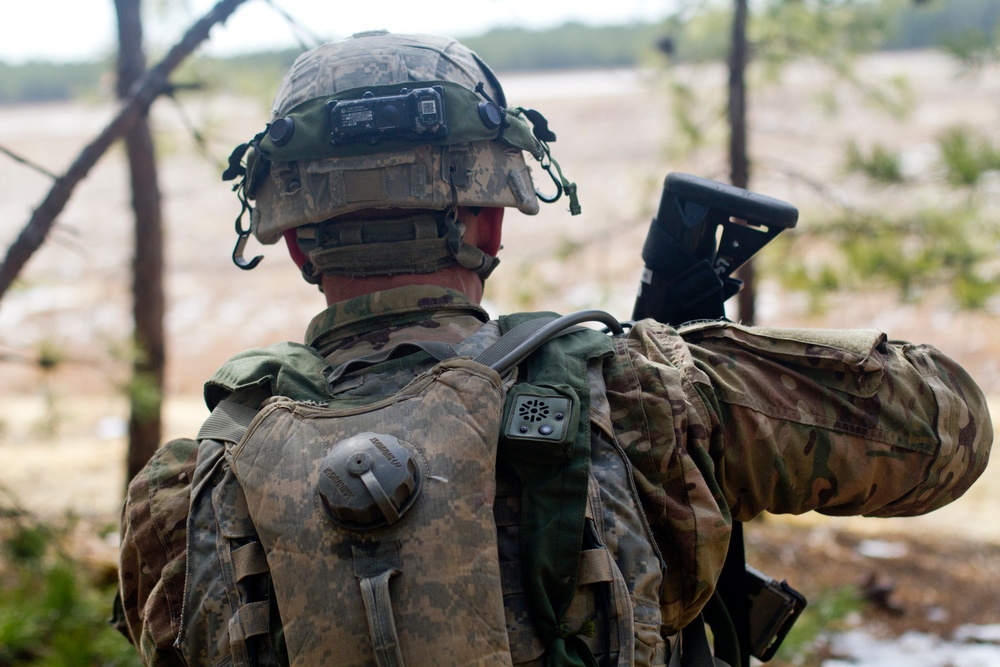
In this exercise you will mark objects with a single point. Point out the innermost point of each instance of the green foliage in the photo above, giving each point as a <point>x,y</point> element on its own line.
<point>930,248</point>
<point>972,47</point>
<point>704,36</point>
<point>880,165</point>
<point>687,110</point>
<point>50,358</point>
<point>144,395</point>
<point>951,243</point>
<point>911,246</point>
<point>27,544</point>
<point>572,45</point>
<point>825,612</point>
<point>51,613</point>
<point>830,33</point>
<point>138,384</point>
<point>567,248</point>
<point>254,75</point>
<point>527,288</point>
<point>966,156</point>
<point>798,274</point>
<point>826,29</point>
<point>50,355</point>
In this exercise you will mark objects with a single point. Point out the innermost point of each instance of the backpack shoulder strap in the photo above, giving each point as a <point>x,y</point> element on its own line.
<point>692,648</point>
<point>523,333</point>
<point>545,444</point>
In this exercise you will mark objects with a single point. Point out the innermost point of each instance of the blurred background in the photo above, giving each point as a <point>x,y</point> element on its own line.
<point>878,119</point>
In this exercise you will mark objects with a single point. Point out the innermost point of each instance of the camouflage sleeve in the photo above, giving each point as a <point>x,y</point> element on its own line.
<point>841,422</point>
<point>665,430</point>
<point>785,421</point>
<point>152,556</point>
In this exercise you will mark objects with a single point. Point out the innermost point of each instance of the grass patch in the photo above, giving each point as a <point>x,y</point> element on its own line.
<point>827,612</point>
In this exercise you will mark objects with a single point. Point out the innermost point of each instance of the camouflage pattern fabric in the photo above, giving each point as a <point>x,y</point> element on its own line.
<point>152,560</point>
<point>441,557</point>
<point>225,618</point>
<point>303,191</point>
<point>718,422</point>
<point>838,422</point>
<point>618,583</point>
<point>344,330</point>
<point>723,420</point>
<point>378,58</point>
<point>311,191</point>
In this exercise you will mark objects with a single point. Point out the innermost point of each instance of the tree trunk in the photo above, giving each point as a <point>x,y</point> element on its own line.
<point>739,163</point>
<point>146,390</point>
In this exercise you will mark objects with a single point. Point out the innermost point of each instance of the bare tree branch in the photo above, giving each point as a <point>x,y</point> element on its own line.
<point>153,84</point>
<point>28,163</point>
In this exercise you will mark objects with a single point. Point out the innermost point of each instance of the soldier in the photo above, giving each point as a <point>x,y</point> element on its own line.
<point>379,495</point>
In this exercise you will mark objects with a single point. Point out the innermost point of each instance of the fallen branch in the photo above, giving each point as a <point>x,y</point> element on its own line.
<point>153,84</point>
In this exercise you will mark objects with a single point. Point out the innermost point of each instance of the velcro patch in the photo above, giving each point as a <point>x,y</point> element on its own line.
<point>365,185</point>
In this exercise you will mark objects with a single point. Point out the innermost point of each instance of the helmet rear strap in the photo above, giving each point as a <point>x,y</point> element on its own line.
<point>421,243</point>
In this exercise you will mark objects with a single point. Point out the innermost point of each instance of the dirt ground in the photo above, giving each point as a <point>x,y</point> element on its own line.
<point>61,431</point>
<point>912,581</point>
<point>889,586</point>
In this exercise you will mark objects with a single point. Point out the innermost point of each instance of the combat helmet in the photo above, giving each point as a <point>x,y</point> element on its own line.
<point>412,123</point>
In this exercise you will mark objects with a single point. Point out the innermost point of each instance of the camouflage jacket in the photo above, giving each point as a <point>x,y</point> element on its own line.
<point>719,422</point>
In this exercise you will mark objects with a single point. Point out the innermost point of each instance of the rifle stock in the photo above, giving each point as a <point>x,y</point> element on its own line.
<point>702,233</point>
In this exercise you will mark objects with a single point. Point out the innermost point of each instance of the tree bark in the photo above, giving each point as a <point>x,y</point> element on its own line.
<point>153,84</point>
<point>145,396</point>
<point>739,162</point>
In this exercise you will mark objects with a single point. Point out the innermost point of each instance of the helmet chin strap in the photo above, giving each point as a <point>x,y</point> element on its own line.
<point>423,242</point>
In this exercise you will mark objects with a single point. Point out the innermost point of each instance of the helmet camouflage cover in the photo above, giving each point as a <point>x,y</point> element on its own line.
<point>313,163</point>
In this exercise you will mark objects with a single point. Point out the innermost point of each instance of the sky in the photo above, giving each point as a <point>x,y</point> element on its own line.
<point>71,30</point>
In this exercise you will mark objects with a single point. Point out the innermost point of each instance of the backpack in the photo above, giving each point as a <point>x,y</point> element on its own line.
<point>465,519</point>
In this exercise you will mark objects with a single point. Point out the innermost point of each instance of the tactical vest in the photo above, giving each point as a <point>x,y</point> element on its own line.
<point>466,519</point>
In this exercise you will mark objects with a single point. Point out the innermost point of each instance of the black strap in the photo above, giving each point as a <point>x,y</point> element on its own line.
<point>735,595</point>
<point>510,340</point>
<point>692,648</point>
<point>529,336</point>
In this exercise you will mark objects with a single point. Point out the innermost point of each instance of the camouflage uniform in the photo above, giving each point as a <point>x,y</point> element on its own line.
<point>719,422</point>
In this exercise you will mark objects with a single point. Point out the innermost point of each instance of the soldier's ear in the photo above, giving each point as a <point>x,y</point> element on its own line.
<point>291,240</point>
<point>490,227</point>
